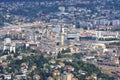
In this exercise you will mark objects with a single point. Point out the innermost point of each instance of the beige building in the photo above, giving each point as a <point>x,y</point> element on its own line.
<point>67,76</point>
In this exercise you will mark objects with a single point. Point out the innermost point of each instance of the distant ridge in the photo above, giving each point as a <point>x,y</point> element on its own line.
<point>27,0</point>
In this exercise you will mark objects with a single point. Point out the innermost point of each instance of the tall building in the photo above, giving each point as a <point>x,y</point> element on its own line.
<point>98,34</point>
<point>62,37</point>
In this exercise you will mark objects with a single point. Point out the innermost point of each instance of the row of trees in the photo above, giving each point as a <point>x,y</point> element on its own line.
<point>107,39</point>
<point>115,43</point>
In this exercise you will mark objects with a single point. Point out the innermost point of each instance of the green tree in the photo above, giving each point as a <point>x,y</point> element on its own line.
<point>78,55</point>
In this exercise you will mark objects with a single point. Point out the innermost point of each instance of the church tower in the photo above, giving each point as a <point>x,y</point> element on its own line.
<point>62,35</point>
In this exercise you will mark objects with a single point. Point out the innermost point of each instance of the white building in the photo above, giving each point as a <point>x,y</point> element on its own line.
<point>7,77</point>
<point>9,45</point>
<point>106,34</point>
<point>115,22</point>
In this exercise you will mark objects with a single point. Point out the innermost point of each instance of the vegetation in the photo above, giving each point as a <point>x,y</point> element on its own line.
<point>34,60</point>
<point>0,52</point>
<point>1,20</point>
<point>115,43</point>
<point>89,68</point>
<point>43,66</point>
<point>115,29</point>
<point>78,55</point>
<point>107,39</point>
<point>66,50</point>
<point>75,55</point>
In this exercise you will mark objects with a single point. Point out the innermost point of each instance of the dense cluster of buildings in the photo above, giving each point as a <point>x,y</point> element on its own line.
<point>73,25</point>
<point>51,38</point>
